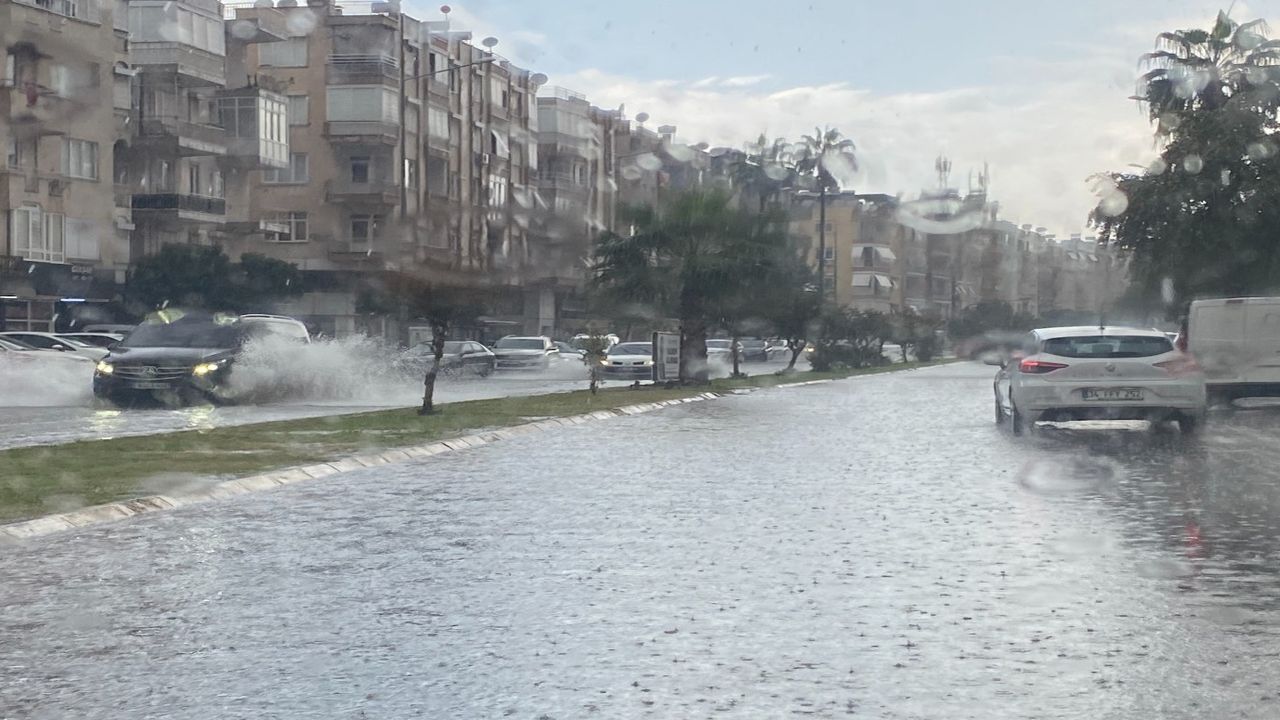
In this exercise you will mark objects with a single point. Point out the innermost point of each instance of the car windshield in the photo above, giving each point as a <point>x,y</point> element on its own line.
<point>520,344</point>
<point>1108,346</point>
<point>632,349</point>
<point>185,334</point>
<point>717,344</point>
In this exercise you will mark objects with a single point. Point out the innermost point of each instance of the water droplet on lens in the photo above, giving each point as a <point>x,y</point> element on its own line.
<point>1114,203</point>
<point>631,172</point>
<point>243,30</point>
<point>1157,167</point>
<point>301,22</point>
<point>649,161</point>
<point>680,153</point>
<point>774,171</point>
<point>1166,291</point>
<point>1193,164</point>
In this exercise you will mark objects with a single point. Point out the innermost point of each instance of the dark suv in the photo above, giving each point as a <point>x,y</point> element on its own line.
<point>184,359</point>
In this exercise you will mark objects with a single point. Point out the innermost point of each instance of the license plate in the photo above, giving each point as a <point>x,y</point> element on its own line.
<point>149,386</point>
<point>1112,394</point>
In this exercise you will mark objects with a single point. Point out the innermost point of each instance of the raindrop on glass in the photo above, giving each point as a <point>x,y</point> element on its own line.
<point>631,172</point>
<point>776,172</point>
<point>1113,204</point>
<point>1193,164</point>
<point>1166,291</point>
<point>680,153</point>
<point>301,22</point>
<point>1157,167</point>
<point>649,161</point>
<point>243,30</point>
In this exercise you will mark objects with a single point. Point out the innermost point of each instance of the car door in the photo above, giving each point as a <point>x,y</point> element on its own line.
<point>470,358</point>
<point>1007,378</point>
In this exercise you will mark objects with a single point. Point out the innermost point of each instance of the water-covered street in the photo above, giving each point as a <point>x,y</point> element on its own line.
<point>874,547</point>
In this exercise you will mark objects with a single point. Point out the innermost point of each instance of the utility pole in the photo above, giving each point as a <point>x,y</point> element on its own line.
<point>404,155</point>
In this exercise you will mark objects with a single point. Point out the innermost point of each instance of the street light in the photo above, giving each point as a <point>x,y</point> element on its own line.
<point>484,61</point>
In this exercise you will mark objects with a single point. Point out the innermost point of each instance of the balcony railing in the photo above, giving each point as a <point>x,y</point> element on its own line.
<point>363,70</point>
<point>363,131</point>
<point>194,137</point>
<point>190,62</point>
<point>375,192</point>
<point>180,202</point>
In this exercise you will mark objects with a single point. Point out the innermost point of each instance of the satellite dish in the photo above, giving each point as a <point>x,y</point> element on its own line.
<point>538,79</point>
<point>489,42</point>
<point>642,117</point>
<point>446,9</point>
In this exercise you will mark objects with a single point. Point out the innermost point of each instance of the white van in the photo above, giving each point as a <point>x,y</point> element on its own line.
<point>1237,342</point>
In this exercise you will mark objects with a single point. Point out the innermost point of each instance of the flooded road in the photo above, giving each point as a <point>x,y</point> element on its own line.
<point>45,418</point>
<point>869,548</point>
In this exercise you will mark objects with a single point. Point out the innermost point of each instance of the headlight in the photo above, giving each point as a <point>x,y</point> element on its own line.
<point>105,368</point>
<point>206,368</point>
<point>648,362</point>
<point>604,361</point>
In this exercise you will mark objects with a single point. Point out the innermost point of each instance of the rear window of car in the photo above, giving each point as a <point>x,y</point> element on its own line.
<point>1108,346</point>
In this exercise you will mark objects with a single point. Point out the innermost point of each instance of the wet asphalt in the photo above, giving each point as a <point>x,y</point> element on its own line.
<point>874,547</point>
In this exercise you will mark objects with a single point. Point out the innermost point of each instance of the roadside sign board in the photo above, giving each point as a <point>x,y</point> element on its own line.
<point>666,357</point>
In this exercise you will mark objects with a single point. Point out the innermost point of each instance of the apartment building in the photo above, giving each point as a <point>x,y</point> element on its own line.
<point>411,150</point>
<point>62,248</point>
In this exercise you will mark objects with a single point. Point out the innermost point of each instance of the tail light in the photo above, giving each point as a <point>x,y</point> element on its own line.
<point>1180,366</point>
<point>1038,367</point>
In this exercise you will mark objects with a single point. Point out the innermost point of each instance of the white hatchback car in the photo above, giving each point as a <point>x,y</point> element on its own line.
<point>1092,373</point>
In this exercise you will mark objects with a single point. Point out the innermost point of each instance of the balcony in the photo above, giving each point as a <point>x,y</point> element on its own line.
<point>373,194</point>
<point>362,70</point>
<point>363,132</point>
<point>247,22</point>
<point>194,67</point>
<point>35,108</point>
<point>177,206</point>
<point>182,137</point>
<point>354,252</point>
<point>250,115</point>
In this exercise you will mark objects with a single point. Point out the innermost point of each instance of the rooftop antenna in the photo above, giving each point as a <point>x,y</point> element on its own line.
<point>943,167</point>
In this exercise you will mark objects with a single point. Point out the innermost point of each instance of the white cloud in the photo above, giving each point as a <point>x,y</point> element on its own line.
<point>1042,143</point>
<point>745,80</point>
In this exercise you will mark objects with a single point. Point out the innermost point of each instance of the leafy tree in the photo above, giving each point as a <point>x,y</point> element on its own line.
<point>443,307</point>
<point>824,153</point>
<point>764,170</point>
<point>1203,218</point>
<point>791,302</point>
<point>849,338</point>
<point>688,258</point>
<point>203,277</point>
<point>911,330</point>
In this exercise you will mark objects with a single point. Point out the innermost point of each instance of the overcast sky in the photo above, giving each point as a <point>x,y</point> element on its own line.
<point>1038,90</point>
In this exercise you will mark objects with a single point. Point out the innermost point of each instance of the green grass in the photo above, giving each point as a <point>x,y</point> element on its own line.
<point>55,478</point>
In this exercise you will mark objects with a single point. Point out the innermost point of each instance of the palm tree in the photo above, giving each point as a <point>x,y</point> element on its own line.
<point>687,259</point>
<point>1204,69</point>
<point>763,170</point>
<point>821,151</point>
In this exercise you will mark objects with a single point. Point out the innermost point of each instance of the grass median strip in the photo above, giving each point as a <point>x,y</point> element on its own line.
<point>56,478</point>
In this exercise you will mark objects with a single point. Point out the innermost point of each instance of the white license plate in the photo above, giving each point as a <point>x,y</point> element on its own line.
<point>1112,394</point>
<point>149,386</point>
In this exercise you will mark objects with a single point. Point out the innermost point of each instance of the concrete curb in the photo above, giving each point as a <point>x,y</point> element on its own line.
<point>49,524</point>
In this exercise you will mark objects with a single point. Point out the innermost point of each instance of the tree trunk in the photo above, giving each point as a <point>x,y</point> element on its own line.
<point>433,371</point>
<point>693,352</point>
<point>822,243</point>
<point>737,358</point>
<point>796,347</point>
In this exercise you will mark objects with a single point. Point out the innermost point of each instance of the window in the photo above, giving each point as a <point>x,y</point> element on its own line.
<point>370,104</point>
<point>10,69</point>
<point>37,235</point>
<point>299,109</point>
<point>359,169</point>
<point>410,173</point>
<point>437,123</point>
<point>497,191</point>
<point>193,179</point>
<point>828,253</point>
<point>285,53</point>
<point>580,174</point>
<point>19,152</point>
<point>60,80</point>
<point>296,221</point>
<point>81,239</point>
<point>1108,346</point>
<point>498,145</point>
<point>363,228</point>
<point>80,159</point>
<point>297,172</point>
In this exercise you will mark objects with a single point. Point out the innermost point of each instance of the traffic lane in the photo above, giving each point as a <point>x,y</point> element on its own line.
<point>85,419</point>
<point>874,545</point>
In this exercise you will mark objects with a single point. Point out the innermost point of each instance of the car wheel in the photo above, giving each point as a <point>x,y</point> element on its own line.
<point>1190,424</point>
<point>1018,424</point>
<point>486,370</point>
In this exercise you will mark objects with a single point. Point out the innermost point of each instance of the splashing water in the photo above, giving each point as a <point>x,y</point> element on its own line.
<point>55,383</point>
<point>353,369</point>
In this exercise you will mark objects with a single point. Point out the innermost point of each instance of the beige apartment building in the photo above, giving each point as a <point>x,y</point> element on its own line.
<point>64,245</point>
<point>411,150</point>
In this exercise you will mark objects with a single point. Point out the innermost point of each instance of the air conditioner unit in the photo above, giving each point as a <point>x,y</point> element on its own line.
<point>57,187</point>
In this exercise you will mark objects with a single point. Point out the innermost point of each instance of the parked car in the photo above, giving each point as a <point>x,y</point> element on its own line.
<point>754,350</point>
<point>186,358</point>
<point>460,356</point>
<point>1237,342</point>
<point>14,353</point>
<point>718,350</point>
<point>50,341</point>
<point>102,340</point>
<point>108,328</point>
<point>569,352</point>
<point>516,352</point>
<point>1091,373</point>
<point>580,338</point>
<point>628,361</point>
